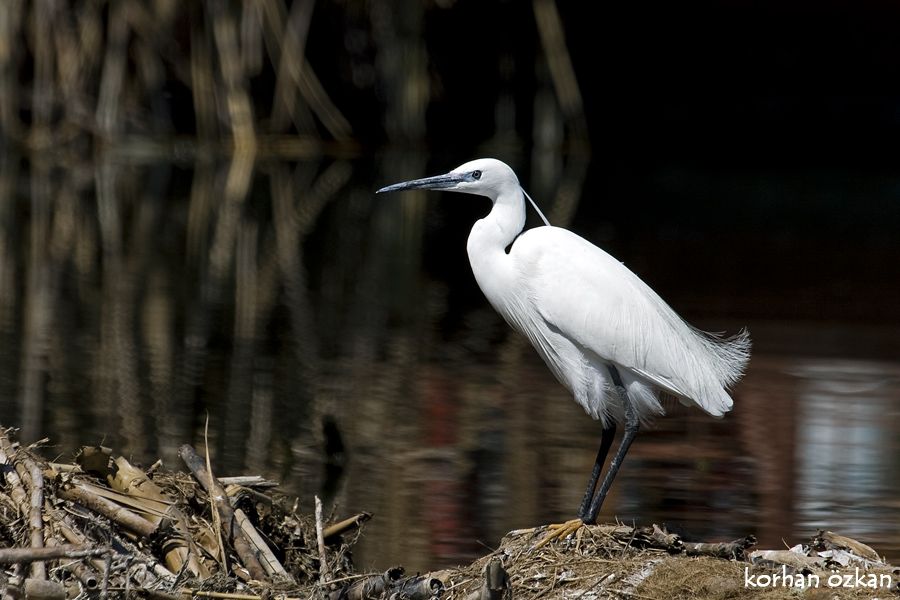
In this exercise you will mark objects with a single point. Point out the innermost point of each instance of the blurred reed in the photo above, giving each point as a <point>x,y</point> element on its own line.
<point>166,79</point>
<point>178,157</point>
<point>115,74</point>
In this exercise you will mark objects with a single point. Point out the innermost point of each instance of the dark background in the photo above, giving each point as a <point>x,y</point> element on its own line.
<point>765,131</point>
<point>740,157</point>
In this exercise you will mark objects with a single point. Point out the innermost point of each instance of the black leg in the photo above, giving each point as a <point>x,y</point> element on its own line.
<point>606,439</point>
<point>632,424</point>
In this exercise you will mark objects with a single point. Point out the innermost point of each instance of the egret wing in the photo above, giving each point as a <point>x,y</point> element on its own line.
<point>598,303</point>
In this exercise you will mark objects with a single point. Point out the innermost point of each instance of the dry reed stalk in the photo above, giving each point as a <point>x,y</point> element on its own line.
<point>35,482</point>
<point>156,506</point>
<point>218,495</point>
<point>64,525</point>
<point>245,334</point>
<point>203,85</point>
<point>293,48</point>
<point>13,479</point>
<point>237,184</point>
<point>340,527</point>
<point>105,69</point>
<point>128,519</point>
<point>79,569</point>
<point>38,555</point>
<point>552,34</point>
<point>11,17</point>
<point>324,570</point>
<point>268,559</point>
<point>112,79</point>
<point>42,98</point>
<point>237,99</point>
<point>299,72</point>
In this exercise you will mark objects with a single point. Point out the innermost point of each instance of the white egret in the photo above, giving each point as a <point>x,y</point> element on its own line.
<point>606,336</point>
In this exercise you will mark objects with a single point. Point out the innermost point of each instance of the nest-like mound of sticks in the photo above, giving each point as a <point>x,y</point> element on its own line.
<point>103,527</point>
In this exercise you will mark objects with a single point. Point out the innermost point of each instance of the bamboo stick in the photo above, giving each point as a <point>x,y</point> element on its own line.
<point>250,481</point>
<point>32,555</point>
<point>349,523</point>
<point>179,547</point>
<point>65,526</point>
<point>324,571</point>
<point>129,520</point>
<point>17,488</point>
<point>268,559</point>
<point>42,589</point>
<point>79,569</point>
<point>35,518</point>
<point>85,571</point>
<point>220,497</point>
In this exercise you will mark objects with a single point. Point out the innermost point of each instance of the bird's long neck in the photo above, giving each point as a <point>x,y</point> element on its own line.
<point>488,241</point>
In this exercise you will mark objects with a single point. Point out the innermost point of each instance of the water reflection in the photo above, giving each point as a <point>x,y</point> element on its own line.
<point>337,343</point>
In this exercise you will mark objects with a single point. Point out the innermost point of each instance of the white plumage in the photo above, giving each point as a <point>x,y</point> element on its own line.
<point>586,314</point>
<point>582,309</point>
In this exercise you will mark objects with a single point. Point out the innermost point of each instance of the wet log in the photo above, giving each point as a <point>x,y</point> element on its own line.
<point>734,550</point>
<point>250,481</point>
<point>657,537</point>
<point>827,540</point>
<point>496,584</point>
<point>419,587</point>
<point>217,493</point>
<point>370,587</point>
<point>390,584</point>
<point>777,558</point>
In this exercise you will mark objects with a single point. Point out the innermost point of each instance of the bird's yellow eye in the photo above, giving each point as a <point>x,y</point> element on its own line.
<point>476,174</point>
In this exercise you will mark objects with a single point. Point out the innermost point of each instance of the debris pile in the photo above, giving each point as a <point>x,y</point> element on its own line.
<point>618,561</point>
<point>103,527</point>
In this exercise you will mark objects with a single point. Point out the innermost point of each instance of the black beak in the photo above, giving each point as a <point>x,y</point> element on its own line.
<point>437,182</point>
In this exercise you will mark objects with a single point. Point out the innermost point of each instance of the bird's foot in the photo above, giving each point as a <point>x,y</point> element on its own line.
<point>559,531</point>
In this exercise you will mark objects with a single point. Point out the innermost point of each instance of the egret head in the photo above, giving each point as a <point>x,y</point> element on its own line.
<point>484,177</point>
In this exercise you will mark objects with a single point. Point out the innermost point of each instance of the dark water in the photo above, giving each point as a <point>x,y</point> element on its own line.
<point>337,342</point>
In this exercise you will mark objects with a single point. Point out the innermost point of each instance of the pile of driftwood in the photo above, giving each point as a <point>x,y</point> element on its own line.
<point>104,528</point>
<point>101,527</point>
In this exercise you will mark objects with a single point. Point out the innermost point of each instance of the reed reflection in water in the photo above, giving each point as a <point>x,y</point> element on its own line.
<point>304,317</point>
